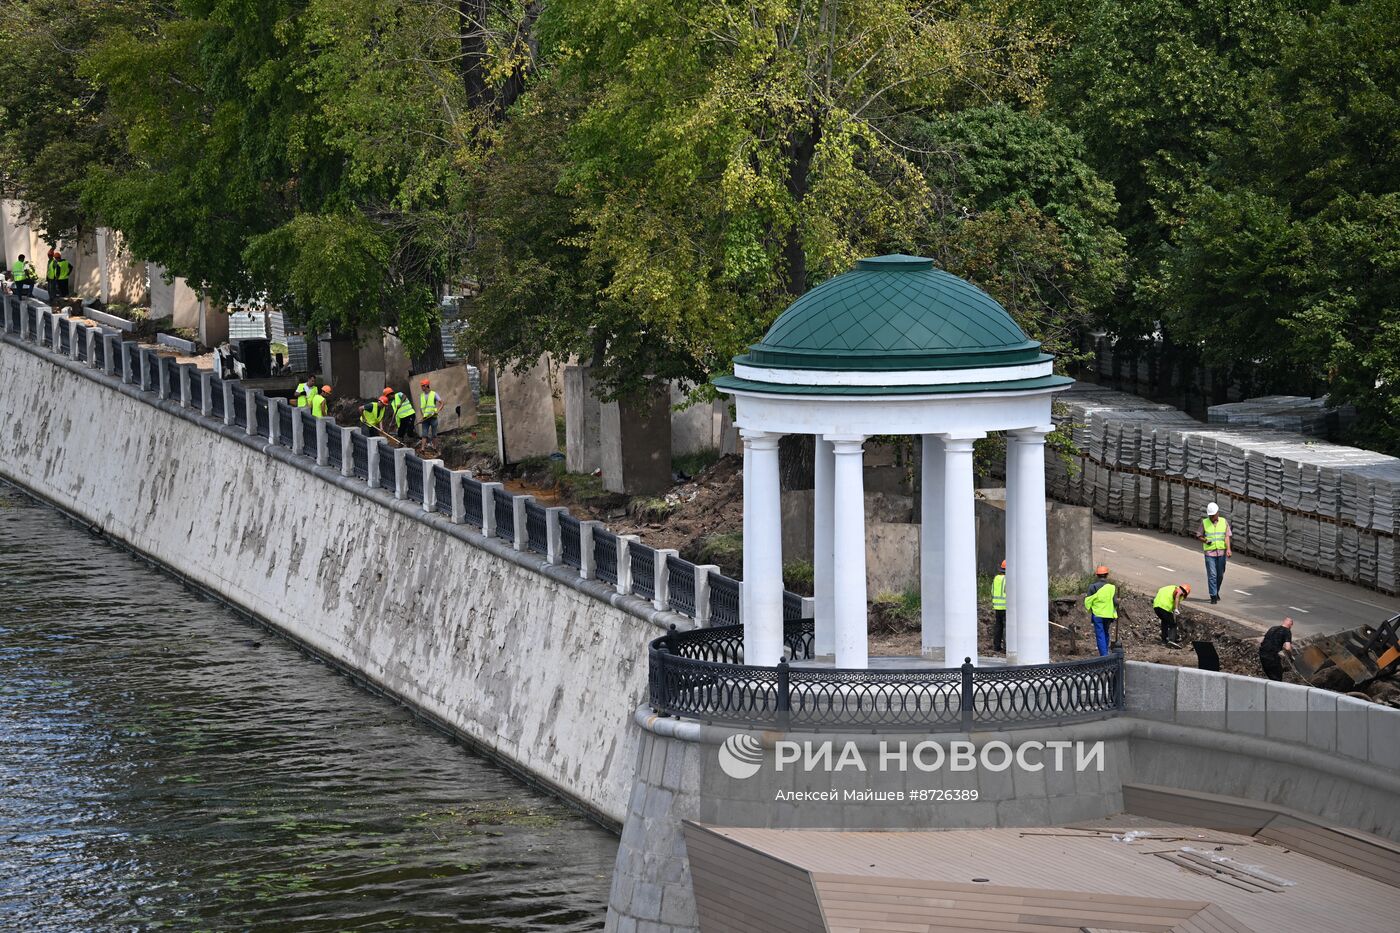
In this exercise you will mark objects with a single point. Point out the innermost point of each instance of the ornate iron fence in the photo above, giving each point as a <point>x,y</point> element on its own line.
<point>471,500</point>
<point>570,540</point>
<point>792,606</point>
<point>99,349</point>
<point>333,457</point>
<point>680,585</point>
<point>643,562</point>
<point>240,407</point>
<point>536,529</point>
<point>308,432</point>
<point>284,426</point>
<point>359,449</point>
<point>387,468</point>
<point>64,336</point>
<point>605,555</point>
<point>80,335</point>
<point>216,396</point>
<point>261,414</point>
<point>701,675</point>
<point>503,504</point>
<point>413,486</point>
<point>724,601</point>
<point>442,489</point>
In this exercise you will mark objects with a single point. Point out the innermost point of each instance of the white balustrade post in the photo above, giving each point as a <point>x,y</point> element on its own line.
<point>73,338</point>
<point>662,578</point>
<point>148,361</point>
<point>429,484</point>
<point>347,444</point>
<point>521,522</point>
<point>206,391</point>
<point>1031,586</point>
<point>931,547</point>
<point>25,332</point>
<point>702,592</point>
<point>624,563</point>
<point>824,548</point>
<point>274,420</point>
<point>299,434</point>
<point>400,471</point>
<point>554,540</point>
<point>587,565</point>
<point>959,552</point>
<point>93,339</point>
<point>323,450</point>
<point>459,498</point>
<point>852,639</point>
<point>375,447</point>
<point>228,403</point>
<point>488,508</point>
<point>763,550</point>
<point>128,371</point>
<point>250,409</point>
<point>184,372</point>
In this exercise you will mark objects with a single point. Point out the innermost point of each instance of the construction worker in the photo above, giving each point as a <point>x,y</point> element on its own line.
<point>372,415</point>
<point>63,273</point>
<point>428,404</point>
<point>1166,605</point>
<point>321,402</point>
<point>303,393</point>
<point>1215,537</point>
<point>1277,642</point>
<point>51,273</point>
<point>1102,603</point>
<point>402,407</point>
<point>23,274</point>
<point>999,609</point>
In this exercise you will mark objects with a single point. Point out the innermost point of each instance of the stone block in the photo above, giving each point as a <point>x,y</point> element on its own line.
<point>1383,736</point>
<point>453,386</point>
<point>1322,719</point>
<point>1353,728</point>
<point>583,452</point>
<point>636,444</point>
<point>525,413</point>
<point>696,428</point>
<point>1149,690</point>
<point>1024,811</point>
<point>891,557</point>
<point>1286,711</point>
<point>1200,698</point>
<point>1244,704</point>
<point>340,365</point>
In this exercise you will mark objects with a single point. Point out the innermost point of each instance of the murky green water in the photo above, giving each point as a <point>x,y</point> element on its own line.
<point>167,765</point>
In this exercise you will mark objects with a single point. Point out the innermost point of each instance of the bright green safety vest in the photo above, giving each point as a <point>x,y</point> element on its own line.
<point>373,414</point>
<point>403,408</point>
<point>65,269</point>
<point>1215,538</point>
<point>999,591</point>
<point>1100,602</point>
<point>428,403</point>
<point>1166,598</point>
<point>303,395</point>
<point>318,405</point>
<point>19,271</point>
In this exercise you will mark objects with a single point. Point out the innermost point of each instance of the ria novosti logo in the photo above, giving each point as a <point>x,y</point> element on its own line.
<point>741,756</point>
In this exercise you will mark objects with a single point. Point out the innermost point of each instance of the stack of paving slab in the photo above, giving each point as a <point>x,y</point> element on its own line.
<point>1289,498</point>
<point>1315,417</point>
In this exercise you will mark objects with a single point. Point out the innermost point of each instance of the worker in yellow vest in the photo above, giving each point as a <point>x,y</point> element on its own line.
<point>23,274</point>
<point>1215,538</point>
<point>428,404</point>
<point>1102,603</point>
<point>303,396</point>
<point>63,273</point>
<point>320,402</point>
<point>1166,605</point>
<point>372,415</point>
<point>51,273</point>
<point>402,407</point>
<point>999,609</point>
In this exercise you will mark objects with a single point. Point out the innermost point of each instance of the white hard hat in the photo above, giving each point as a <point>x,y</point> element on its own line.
<point>1212,509</point>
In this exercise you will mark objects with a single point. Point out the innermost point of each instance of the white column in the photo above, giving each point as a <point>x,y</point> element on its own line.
<point>1010,525</point>
<point>959,552</point>
<point>931,546</point>
<point>848,529</point>
<point>763,550</point>
<point>1030,587</point>
<point>824,544</point>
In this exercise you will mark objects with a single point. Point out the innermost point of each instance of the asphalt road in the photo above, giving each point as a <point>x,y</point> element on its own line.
<point>1255,593</point>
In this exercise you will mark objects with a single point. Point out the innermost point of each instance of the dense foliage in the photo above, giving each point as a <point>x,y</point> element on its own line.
<point>645,184</point>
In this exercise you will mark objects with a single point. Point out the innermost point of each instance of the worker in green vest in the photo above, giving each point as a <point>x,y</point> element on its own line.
<point>1215,537</point>
<point>22,272</point>
<point>303,395</point>
<point>428,404</point>
<point>1102,603</point>
<point>51,273</point>
<point>372,415</point>
<point>402,407</point>
<point>999,609</point>
<point>320,402</point>
<point>63,273</point>
<point>1166,605</point>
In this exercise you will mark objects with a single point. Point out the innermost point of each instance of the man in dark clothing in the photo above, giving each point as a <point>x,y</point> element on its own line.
<point>1277,640</point>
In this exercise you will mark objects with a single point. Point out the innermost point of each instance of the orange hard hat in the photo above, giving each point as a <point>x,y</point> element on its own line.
<point>1003,565</point>
<point>1186,588</point>
<point>57,254</point>
<point>388,390</point>
<point>1101,571</point>
<point>423,383</point>
<point>325,388</point>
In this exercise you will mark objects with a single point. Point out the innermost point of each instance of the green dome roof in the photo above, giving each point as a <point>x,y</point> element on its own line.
<point>894,313</point>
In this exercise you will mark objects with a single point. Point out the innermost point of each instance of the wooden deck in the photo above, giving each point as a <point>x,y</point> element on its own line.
<point>1026,881</point>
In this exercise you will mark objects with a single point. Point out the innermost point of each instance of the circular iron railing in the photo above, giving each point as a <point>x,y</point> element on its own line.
<point>700,674</point>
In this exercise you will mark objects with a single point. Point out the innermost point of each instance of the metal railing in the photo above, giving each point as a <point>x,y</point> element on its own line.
<point>308,432</point>
<point>216,395</point>
<point>80,341</point>
<point>503,506</point>
<point>99,350</point>
<point>643,563</point>
<point>359,450</point>
<point>536,530</point>
<point>701,675</point>
<point>471,500</point>
<point>261,414</point>
<point>333,453</point>
<point>605,555</point>
<point>570,540</point>
<point>240,408</point>
<point>680,585</point>
<point>724,601</point>
<point>442,489</point>
<point>413,480</point>
<point>284,425</point>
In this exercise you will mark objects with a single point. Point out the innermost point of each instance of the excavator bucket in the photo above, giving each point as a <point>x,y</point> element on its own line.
<point>1363,654</point>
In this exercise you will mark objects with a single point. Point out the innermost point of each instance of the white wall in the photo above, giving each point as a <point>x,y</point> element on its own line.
<point>540,672</point>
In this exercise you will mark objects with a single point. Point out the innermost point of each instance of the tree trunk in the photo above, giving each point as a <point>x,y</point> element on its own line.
<point>802,146</point>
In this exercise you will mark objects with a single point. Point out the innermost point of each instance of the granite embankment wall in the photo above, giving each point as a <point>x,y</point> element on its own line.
<point>519,657</point>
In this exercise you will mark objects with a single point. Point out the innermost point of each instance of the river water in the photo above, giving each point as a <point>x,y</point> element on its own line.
<point>165,764</point>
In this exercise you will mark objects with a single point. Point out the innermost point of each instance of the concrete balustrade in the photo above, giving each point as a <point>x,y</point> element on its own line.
<point>554,541</point>
<point>377,446</point>
<point>624,563</point>
<point>521,522</point>
<point>588,565</point>
<point>401,472</point>
<point>488,509</point>
<point>663,579</point>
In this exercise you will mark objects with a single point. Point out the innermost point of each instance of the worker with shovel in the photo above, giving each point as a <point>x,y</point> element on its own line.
<point>402,407</point>
<point>1278,642</point>
<point>372,415</point>
<point>1166,605</point>
<point>1102,603</point>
